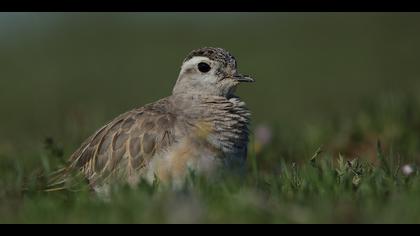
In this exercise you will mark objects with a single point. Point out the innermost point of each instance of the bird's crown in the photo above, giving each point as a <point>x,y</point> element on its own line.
<point>215,54</point>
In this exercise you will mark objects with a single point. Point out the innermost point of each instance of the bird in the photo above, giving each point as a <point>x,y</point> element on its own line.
<point>201,127</point>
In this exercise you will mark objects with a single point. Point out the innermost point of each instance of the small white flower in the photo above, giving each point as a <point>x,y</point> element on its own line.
<point>407,170</point>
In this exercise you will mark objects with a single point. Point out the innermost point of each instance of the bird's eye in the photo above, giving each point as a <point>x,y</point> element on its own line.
<point>203,67</point>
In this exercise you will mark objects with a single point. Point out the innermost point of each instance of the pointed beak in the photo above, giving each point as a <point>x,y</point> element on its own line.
<point>243,78</point>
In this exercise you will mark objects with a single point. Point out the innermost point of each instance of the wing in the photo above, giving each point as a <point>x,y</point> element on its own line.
<point>126,144</point>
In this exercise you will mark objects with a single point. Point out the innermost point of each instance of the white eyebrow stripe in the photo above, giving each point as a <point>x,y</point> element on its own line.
<point>194,61</point>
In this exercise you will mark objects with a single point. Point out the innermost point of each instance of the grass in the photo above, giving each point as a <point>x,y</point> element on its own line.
<point>321,188</point>
<point>337,91</point>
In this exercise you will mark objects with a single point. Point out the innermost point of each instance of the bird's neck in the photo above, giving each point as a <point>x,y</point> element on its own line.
<point>229,118</point>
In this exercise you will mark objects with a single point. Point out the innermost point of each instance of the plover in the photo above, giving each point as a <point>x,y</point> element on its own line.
<point>202,127</point>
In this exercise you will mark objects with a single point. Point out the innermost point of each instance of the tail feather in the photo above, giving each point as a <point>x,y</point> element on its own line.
<point>64,179</point>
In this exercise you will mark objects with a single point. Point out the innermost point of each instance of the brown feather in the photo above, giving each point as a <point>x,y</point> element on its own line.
<point>126,143</point>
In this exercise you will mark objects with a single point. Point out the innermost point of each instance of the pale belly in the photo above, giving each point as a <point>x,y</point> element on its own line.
<point>190,157</point>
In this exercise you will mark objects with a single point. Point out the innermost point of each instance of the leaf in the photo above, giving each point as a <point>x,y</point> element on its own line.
<point>356,180</point>
<point>341,169</point>
<point>314,157</point>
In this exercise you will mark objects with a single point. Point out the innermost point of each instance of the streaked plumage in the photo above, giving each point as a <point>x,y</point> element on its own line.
<point>202,126</point>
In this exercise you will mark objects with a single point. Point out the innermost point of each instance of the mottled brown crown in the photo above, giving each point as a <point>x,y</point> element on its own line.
<point>215,54</point>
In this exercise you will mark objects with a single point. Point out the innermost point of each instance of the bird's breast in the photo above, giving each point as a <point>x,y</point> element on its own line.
<point>211,134</point>
<point>224,126</point>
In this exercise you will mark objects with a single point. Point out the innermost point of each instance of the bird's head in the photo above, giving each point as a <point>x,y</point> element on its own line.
<point>209,71</point>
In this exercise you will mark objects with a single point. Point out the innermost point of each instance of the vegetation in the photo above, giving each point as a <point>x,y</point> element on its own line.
<point>336,114</point>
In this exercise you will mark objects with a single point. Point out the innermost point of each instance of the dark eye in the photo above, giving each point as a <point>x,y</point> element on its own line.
<point>203,67</point>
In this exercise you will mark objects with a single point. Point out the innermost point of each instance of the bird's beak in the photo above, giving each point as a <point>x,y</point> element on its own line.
<point>243,78</point>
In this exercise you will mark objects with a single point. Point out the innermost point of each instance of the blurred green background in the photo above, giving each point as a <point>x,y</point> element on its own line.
<point>63,75</point>
<point>340,81</point>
